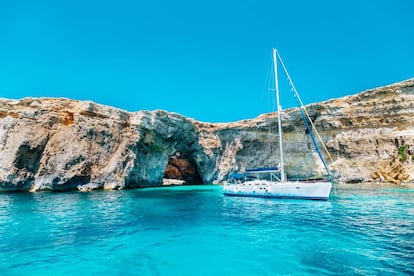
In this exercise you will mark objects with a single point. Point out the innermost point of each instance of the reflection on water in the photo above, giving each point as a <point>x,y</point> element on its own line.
<point>196,230</point>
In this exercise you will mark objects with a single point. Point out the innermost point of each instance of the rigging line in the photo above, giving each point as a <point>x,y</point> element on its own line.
<point>307,120</point>
<point>266,107</point>
<point>314,142</point>
<point>262,108</point>
<point>270,108</point>
<point>303,107</point>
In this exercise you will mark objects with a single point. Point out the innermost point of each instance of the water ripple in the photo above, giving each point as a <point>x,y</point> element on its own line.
<point>195,230</point>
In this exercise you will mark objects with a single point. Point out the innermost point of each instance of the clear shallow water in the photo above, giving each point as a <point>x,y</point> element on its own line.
<point>194,230</point>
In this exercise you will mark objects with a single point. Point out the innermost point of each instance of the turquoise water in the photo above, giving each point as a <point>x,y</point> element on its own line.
<point>194,230</point>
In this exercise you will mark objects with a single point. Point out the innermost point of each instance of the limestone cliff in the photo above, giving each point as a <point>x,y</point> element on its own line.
<point>62,144</point>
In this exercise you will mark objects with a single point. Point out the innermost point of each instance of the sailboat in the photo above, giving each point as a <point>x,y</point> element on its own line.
<point>272,185</point>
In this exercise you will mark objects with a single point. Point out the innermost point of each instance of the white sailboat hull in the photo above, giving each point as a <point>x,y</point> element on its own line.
<point>288,189</point>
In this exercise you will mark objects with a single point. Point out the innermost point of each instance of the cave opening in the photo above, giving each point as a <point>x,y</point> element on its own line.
<point>181,170</point>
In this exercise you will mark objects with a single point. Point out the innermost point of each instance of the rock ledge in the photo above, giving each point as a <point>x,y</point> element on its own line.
<point>60,144</point>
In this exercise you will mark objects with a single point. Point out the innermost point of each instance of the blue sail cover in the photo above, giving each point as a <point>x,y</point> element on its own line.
<point>263,169</point>
<point>236,176</point>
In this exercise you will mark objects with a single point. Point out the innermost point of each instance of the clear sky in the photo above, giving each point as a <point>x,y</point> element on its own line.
<point>208,60</point>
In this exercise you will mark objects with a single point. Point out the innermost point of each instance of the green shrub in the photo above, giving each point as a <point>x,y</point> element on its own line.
<point>402,150</point>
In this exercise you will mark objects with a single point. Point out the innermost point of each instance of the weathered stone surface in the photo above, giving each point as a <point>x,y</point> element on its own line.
<point>62,144</point>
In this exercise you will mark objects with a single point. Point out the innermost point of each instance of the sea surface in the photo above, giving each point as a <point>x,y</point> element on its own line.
<point>195,230</point>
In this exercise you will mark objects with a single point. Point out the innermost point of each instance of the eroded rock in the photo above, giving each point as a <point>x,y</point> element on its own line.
<point>62,144</point>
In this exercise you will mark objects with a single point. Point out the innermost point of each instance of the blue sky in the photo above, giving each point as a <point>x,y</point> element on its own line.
<point>208,60</point>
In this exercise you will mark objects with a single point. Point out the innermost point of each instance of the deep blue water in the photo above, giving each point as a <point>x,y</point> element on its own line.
<point>195,230</point>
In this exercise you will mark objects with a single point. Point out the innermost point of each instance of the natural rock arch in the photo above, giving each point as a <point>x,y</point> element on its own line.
<point>181,169</point>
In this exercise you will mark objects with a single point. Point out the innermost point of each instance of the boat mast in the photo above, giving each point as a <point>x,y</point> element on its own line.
<point>279,115</point>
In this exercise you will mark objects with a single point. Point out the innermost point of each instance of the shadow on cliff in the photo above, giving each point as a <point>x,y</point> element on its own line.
<point>181,169</point>
<point>166,151</point>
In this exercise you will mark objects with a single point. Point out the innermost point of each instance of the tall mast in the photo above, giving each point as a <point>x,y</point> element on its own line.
<point>279,115</point>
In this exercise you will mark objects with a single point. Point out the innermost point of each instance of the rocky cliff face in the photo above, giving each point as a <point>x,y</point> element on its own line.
<point>61,144</point>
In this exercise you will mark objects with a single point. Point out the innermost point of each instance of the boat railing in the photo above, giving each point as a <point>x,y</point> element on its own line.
<point>270,173</point>
<point>274,177</point>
